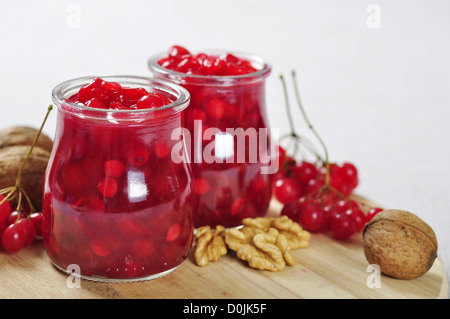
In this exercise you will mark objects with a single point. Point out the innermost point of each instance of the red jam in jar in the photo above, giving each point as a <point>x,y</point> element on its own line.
<point>116,204</point>
<point>227,125</point>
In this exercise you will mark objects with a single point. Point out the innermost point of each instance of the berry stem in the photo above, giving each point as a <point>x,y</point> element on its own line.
<point>293,137</point>
<point>32,209</point>
<point>19,174</point>
<point>327,163</point>
<point>288,108</point>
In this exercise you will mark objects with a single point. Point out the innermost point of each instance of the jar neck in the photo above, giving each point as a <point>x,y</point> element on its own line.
<point>175,93</point>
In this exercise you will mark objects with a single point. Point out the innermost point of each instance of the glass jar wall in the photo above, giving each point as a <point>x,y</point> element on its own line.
<point>229,140</point>
<point>116,203</point>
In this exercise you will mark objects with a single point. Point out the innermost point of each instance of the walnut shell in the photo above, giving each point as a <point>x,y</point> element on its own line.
<point>33,173</point>
<point>400,243</point>
<point>24,135</point>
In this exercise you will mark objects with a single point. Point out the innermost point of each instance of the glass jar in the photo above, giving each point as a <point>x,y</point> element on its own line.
<point>116,203</point>
<point>227,125</point>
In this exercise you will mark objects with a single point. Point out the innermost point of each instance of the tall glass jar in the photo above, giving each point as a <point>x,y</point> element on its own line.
<point>230,137</point>
<point>117,205</point>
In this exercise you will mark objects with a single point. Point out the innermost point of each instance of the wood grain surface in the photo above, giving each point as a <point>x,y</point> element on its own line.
<point>326,269</point>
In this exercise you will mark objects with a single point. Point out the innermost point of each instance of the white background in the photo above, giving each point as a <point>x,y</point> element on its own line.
<point>379,96</point>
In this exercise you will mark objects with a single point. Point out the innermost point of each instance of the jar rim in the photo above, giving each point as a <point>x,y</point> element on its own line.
<point>181,102</point>
<point>263,70</point>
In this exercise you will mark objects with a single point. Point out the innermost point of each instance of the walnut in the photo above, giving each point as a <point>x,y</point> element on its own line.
<point>33,173</point>
<point>262,249</point>
<point>210,245</point>
<point>400,243</point>
<point>24,135</point>
<point>295,234</point>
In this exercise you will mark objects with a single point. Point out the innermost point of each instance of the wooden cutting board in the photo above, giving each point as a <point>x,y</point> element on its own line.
<point>326,269</point>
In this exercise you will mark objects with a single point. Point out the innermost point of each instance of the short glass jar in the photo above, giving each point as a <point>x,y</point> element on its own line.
<point>230,139</point>
<point>117,205</point>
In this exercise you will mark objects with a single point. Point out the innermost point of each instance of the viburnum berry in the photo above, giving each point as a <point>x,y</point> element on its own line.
<point>152,100</point>
<point>29,230</point>
<point>342,226</point>
<point>372,212</point>
<point>173,232</point>
<point>314,218</point>
<point>14,238</point>
<point>36,219</point>
<point>286,189</point>
<point>5,208</point>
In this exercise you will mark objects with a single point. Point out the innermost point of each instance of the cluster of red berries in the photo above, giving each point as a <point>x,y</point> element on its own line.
<point>179,59</point>
<point>102,94</point>
<point>18,229</point>
<point>319,202</point>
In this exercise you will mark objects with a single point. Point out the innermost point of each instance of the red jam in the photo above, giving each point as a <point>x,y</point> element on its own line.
<point>181,60</point>
<point>102,94</point>
<point>222,98</point>
<point>115,203</point>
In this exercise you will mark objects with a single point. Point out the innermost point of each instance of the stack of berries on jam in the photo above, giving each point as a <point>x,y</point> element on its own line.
<point>179,59</point>
<point>102,94</point>
<point>319,194</point>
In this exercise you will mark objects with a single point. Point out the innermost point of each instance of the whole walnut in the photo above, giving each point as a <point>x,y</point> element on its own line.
<point>400,243</point>
<point>24,135</point>
<point>32,178</point>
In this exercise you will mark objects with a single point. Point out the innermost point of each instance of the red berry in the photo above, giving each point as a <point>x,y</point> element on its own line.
<point>341,226</point>
<point>111,86</point>
<point>305,171</point>
<point>100,247</point>
<point>188,65</point>
<point>313,218</point>
<point>132,95</point>
<point>279,155</point>
<point>113,168</point>
<point>177,51</point>
<point>36,219</point>
<point>372,212</point>
<point>5,208</point>
<point>152,100</point>
<point>29,230</point>
<point>287,189</point>
<point>138,156</point>
<point>358,217</point>
<point>107,186</point>
<point>173,232</point>
<point>350,175</point>
<point>91,90</point>
<point>3,225</point>
<point>118,106</point>
<point>292,210</point>
<point>13,238</point>
<point>211,65</point>
<point>13,217</point>
<point>161,149</point>
<point>314,185</point>
<point>215,108</point>
<point>201,186</point>
<point>237,206</point>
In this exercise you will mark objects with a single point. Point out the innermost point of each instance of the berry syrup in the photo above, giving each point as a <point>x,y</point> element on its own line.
<point>115,203</point>
<point>227,93</point>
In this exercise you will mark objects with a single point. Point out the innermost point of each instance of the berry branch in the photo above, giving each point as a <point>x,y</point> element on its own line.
<point>300,104</point>
<point>293,137</point>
